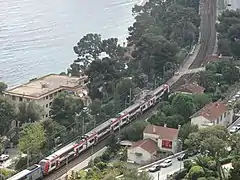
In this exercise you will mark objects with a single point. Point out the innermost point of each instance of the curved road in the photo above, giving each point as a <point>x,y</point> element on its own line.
<point>207,42</point>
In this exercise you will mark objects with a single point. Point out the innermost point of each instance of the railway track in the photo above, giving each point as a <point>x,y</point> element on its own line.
<point>208,36</point>
<point>208,33</point>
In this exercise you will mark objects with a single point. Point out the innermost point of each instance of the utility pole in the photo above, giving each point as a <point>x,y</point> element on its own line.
<point>27,158</point>
<point>83,121</point>
<point>130,96</point>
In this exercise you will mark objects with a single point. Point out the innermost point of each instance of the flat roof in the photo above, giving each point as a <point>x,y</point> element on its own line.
<point>42,86</point>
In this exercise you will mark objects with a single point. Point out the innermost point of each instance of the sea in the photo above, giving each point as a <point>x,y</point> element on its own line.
<point>37,36</point>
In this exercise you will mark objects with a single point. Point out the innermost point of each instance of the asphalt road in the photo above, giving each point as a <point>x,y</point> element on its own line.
<point>176,166</point>
<point>234,4</point>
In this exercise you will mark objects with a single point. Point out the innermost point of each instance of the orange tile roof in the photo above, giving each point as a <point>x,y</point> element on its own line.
<point>191,88</point>
<point>163,132</point>
<point>212,111</point>
<point>146,144</point>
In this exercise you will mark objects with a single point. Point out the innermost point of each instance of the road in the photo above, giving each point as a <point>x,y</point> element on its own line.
<point>234,4</point>
<point>177,165</point>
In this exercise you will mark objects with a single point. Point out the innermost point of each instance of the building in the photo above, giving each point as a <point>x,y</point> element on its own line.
<point>166,138</point>
<point>44,89</point>
<point>213,114</point>
<point>193,88</point>
<point>142,151</point>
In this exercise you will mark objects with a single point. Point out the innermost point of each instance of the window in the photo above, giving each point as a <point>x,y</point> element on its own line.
<point>46,115</point>
<point>225,114</point>
<point>20,99</point>
<point>50,103</point>
<point>221,117</point>
<point>51,96</point>
<point>46,97</point>
<point>46,105</point>
<point>167,144</point>
<point>217,120</point>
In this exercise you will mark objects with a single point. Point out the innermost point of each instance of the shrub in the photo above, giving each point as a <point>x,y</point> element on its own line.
<point>226,160</point>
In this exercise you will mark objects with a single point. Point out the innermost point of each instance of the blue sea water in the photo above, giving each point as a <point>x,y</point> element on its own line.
<point>37,36</point>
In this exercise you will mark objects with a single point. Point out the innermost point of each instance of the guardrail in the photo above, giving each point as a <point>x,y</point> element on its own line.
<point>157,162</point>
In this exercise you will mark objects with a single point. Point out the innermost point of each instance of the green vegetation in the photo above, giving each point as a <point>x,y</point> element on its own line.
<point>32,138</point>
<point>228,29</point>
<point>110,172</point>
<point>217,147</point>
<point>178,109</point>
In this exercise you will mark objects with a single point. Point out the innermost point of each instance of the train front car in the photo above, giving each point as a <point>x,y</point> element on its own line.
<point>33,172</point>
<point>160,91</point>
<point>45,166</point>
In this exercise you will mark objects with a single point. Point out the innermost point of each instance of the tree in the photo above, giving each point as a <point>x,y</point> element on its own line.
<point>64,109</point>
<point>29,112</point>
<point>3,87</point>
<point>200,100</point>
<point>184,105</point>
<point>89,45</point>
<point>32,138</point>
<point>171,121</point>
<point>134,174</point>
<point>8,114</point>
<point>55,133</point>
<point>186,130</point>
<point>95,107</point>
<point>196,172</point>
<point>124,88</point>
<point>235,171</point>
<point>213,140</point>
<point>134,132</point>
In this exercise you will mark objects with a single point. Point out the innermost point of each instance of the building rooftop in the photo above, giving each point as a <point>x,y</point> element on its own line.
<point>212,110</point>
<point>39,87</point>
<point>146,144</point>
<point>191,88</point>
<point>163,132</point>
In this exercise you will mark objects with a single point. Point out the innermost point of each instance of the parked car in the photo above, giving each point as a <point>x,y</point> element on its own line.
<point>182,157</point>
<point>166,163</point>
<point>238,126</point>
<point>4,157</point>
<point>154,168</point>
<point>234,129</point>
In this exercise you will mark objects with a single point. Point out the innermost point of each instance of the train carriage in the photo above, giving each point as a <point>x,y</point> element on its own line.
<point>32,173</point>
<point>72,150</point>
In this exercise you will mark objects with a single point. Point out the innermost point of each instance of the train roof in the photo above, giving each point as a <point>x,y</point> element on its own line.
<point>130,108</point>
<point>159,88</point>
<point>24,173</point>
<point>100,127</point>
<point>61,151</point>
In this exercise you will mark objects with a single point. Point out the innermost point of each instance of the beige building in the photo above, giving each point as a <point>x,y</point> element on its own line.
<point>44,89</point>
<point>166,138</point>
<point>216,113</point>
<point>142,151</point>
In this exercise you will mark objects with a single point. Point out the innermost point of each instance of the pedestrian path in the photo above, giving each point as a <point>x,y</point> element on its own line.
<point>83,164</point>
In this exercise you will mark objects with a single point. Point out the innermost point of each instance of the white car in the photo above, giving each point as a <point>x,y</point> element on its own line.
<point>166,163</point>
<point>234,129</point>
<point>4,157</point>
<point>154,168</point>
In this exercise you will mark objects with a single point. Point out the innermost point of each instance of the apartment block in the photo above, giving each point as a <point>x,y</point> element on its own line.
<point>43,90</point>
